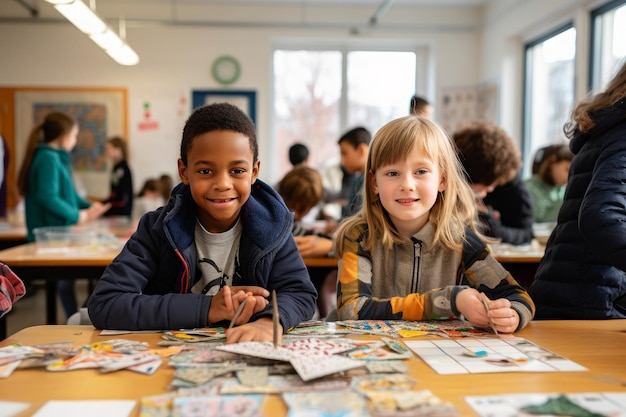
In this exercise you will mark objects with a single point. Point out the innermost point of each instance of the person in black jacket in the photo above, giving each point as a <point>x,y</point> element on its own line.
<point>492,162</point>
<point>121,197</point>
<point>583,272</point>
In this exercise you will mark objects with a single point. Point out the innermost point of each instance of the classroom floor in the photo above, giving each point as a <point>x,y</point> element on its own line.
<point>31,311</point>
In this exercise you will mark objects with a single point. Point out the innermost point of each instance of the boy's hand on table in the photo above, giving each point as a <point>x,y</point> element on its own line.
<point>227,300</point>
<point>313,246</point>
<point>261,330</point>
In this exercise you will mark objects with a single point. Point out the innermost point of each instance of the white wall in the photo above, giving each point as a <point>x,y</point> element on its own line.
<point>509,25</point>
<point>177,59</point>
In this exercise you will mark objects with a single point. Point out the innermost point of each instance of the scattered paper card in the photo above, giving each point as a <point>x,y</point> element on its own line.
<point>91,408</point>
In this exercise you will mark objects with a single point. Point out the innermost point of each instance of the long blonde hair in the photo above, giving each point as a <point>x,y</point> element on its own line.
<point>454,209</point>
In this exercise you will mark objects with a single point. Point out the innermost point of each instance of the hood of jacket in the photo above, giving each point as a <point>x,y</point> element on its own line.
<point>259,217</point>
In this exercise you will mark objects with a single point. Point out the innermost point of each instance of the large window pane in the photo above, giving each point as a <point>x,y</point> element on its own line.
<point>307,90</point>
<point>549,91</point>
<point>313,106</point>
<point>380,85</point>
<point>609,43</point>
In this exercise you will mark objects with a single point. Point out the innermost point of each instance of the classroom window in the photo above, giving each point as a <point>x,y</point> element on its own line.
<point>548,90</point>
<point>608,48</point>
<point>319,94</point>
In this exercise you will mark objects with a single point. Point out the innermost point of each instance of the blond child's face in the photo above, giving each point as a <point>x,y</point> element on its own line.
<point>408,190</point>
<point>220,172</point>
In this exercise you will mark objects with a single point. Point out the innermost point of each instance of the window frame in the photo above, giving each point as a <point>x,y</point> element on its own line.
<point>526,93</point>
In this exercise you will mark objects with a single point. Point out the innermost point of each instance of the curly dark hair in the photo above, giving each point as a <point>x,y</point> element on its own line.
<point>487,152</point>
<point>218,116</point>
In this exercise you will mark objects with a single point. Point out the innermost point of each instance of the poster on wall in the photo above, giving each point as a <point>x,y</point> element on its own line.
<point>463,104</point>
<point>101,114</point>
<point>245,100</point>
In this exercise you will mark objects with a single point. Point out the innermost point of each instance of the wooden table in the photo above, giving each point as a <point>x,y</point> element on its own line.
<point>11,235</point>
<point>597,345</point>
<point>28,262</point>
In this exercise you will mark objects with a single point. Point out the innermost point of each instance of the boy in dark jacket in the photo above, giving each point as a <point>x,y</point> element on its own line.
<point>223,237</point>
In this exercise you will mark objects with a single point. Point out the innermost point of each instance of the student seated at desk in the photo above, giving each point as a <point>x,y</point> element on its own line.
<point>223,237</point>
<point>413,252</point>
<point>302,189</point>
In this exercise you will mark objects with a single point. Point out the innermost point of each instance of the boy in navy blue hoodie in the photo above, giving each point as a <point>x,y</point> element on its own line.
<point>223,237</point>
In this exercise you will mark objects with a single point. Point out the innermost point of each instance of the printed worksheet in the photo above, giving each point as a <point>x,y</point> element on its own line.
<point>474,356</point>
<point>549,404</point>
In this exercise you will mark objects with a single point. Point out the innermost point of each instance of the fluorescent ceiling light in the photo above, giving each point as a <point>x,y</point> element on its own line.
<point>81,16</point>
<point>107,39</point>
<point>124,55</point>
<point>88,21</point>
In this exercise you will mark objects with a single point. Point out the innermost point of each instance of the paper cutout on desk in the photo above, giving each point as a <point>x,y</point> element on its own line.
<point>265,350</point>
<point>326,404</point>
<point>223,406</point>
<point>308,366</point>
<point>315,346</point>
<point>312,367</point>
<point>12,408</point>
<point>91,408</point>
<point>396,395</point>
<point>514,354</point>
<point>587,404</point>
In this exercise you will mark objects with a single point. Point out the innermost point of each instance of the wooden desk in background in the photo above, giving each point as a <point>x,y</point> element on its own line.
<point>596,345</point>
<point>30,263</point>
<point>11,235</point>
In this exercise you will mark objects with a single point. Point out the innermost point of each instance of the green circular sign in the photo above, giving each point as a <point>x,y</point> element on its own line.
<point>226,69</point>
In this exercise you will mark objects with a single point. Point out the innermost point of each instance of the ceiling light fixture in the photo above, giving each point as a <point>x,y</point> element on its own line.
<point>90,23</point>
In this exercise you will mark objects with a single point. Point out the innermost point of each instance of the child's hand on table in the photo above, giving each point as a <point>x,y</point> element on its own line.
<point>261,330</point>
<point>469,303</point>
<point>227,300</point>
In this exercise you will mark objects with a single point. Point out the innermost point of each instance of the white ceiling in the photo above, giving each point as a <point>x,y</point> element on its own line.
<point>238,12</point>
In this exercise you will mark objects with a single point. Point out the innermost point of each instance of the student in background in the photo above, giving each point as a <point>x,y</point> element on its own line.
<point>302,189</point>
<point>298,154</point>
<point>223,237</point>
<point>419,106</point>
<point>353,146</point>
<point>166,184</point>
<point>148,199</point>
<point>492,162</point>
<point>413,252</point>
<point>121,195</point>
<point>582,275</point>
<point>547,184</point>
<point>45,181</point>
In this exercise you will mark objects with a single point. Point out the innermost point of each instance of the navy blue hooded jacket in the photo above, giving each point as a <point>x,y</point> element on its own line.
<point>147,286</point>
<point>582,275</point>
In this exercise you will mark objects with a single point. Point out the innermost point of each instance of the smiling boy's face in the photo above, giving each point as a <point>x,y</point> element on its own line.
<point>220,172</point>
